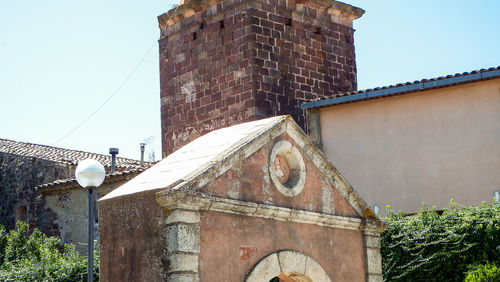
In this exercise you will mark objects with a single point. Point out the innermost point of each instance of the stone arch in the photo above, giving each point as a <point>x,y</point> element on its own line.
<point>281,262</point>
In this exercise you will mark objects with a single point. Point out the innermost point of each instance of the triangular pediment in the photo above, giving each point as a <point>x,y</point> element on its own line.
<point>269,161</point>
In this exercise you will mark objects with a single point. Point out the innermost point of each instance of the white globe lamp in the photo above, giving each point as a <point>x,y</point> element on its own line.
<point>90,174</point>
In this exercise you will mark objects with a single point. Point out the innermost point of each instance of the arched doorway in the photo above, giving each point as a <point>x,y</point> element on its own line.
<point>287,266</point>
<point>291,277</point>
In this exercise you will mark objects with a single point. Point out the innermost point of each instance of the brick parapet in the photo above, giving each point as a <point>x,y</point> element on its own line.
<point>226,62</point>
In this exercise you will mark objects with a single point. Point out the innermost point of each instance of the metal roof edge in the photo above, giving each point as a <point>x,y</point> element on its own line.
<point>418,86</point>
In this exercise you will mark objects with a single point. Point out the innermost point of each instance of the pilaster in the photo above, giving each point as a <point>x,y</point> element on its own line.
<point>373,257</point>
<point>182,246</point>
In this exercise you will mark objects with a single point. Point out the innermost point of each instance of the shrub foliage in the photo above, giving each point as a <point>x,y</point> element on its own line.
<point>37,258</point>
<point>483,273</point>
<point>440,247</point>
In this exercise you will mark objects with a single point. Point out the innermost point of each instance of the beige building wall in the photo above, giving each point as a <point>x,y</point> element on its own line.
<point>428,146</point>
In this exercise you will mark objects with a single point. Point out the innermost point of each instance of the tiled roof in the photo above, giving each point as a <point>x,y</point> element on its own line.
<point>62,185</point>
<point>60,155</point>
<point>403,88</point>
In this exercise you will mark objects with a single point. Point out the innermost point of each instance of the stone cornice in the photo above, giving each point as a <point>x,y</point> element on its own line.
<point>338,9</point>
<point>177,199</point>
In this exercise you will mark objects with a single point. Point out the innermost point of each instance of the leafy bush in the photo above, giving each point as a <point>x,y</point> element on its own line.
<point>37,258</point>
<point>483,273</point>
<point>434,247</point>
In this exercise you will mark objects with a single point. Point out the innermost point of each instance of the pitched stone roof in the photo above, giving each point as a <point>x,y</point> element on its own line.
<point>402,88</point>
<point>189,160</point>
<point>202,160</point>
<point>60,155</point>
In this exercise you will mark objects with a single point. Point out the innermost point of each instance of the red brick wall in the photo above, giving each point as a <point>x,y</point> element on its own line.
<point>237,61</point>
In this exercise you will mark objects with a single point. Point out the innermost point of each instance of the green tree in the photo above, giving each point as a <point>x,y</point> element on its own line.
<point>37,258</point>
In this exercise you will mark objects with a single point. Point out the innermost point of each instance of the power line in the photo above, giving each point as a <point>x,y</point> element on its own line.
<point>115,92</point>
<point>109,98</point>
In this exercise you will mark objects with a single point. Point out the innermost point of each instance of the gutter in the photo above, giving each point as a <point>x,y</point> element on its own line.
<point>419,86</point>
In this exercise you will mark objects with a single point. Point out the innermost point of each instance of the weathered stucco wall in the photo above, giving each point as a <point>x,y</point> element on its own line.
<point>131,245</point>
<point>270,191</point>
<point>250,181</point>
<point>18,178</point>
<point>231,245</point>
<point>69,211</point>
<point>427,146</point>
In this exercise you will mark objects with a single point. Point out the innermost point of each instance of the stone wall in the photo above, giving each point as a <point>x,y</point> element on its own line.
<point>226,62</point>
<point>18,178</point>
<point>68,210</point>
<point>131,238</point>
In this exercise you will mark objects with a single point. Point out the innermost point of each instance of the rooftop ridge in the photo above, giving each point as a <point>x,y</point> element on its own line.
<point>58,154</point>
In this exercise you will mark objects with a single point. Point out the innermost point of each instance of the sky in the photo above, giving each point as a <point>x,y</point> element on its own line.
<point>60,61</point>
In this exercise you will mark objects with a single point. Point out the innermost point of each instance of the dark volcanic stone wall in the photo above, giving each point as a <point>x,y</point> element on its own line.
<point>227,62</point>
<point>18,178</point>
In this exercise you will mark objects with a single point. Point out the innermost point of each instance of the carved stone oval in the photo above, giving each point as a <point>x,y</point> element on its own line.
<point>287,168</point>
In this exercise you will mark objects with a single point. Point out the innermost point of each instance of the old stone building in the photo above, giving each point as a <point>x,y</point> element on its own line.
<point>63,206</point>
<point>230,61</point>
<point>242,194</point>
<point>244,203</point>
<point>426,141</point>
<point>37,186</point>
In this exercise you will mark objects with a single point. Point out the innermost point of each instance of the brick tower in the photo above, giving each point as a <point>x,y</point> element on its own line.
<point>224,62</point>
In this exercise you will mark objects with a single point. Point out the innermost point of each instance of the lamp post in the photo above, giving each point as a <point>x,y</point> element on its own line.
<point>90,174</point>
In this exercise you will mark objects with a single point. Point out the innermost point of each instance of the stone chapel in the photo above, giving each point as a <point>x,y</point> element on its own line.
<point>242,193</point>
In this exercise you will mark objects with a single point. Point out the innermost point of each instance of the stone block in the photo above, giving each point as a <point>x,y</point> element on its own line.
<point>183,238</point>
<point>182,263</point>
<point>374,261</point>
<point>266,269</point>
<point>183,216</point>
<point>375,278</point>
<point>315,271</point>
<point>292,261</point>
<point>183,277</point>
<point>372,241</point>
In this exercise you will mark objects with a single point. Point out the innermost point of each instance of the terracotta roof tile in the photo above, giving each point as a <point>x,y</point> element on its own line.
<point>60,155</point>
<point>70,183</point>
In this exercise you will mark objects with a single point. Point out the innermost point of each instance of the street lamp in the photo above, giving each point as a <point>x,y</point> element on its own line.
<point>90,174</point>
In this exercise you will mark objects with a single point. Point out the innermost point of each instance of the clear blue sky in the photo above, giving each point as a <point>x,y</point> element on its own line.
<point>60,60</point>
